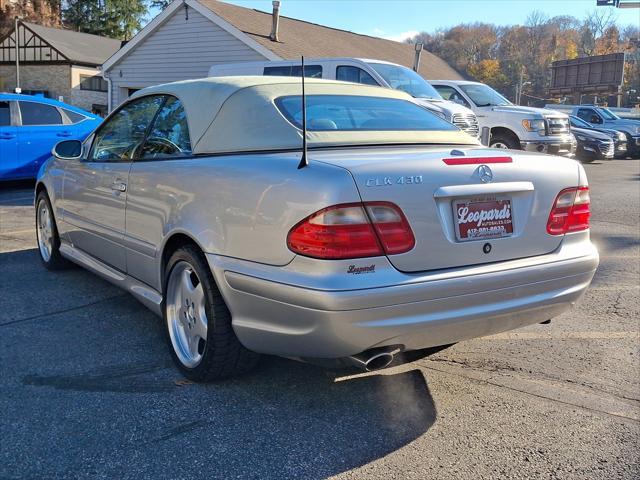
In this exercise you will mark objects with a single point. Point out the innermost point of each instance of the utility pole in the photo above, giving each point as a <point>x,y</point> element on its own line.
<point>16,41</point>
<point>519,92</point>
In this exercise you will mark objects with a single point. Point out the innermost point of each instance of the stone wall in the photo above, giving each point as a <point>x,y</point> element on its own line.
<point>55,79</point>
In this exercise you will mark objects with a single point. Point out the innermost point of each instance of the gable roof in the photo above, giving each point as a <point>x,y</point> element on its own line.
<point>298,37</point>
<point>77,47</point>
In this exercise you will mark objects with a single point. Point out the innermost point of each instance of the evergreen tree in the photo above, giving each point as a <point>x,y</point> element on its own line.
<point>111,18</point>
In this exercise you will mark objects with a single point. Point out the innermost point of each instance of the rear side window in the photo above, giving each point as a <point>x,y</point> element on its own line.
<point>310,71</point>
<point>169,136</point>
<point>73,116</point>
<point>5,114</point>
<point>34,113</point>
<point>348,73</point>
<point>120,135</point>
<point>350,112</point>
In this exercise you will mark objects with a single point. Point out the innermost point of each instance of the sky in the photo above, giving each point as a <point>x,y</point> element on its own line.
<point>400,19</point>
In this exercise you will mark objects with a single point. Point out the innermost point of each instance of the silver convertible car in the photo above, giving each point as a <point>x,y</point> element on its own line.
<point>395,232</point>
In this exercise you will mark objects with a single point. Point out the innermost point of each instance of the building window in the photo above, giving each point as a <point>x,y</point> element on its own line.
<point>94,83</point>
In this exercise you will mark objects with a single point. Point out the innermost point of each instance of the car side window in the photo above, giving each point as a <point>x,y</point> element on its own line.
<point>349,73</point>
<point>5,114</point>
<point>589,115</point>
<point>169,135</point>
<point>118,138</point>
<point>34,113</point>
<point>73,117</point>
<point>451,94</point>
<point>310,71</point>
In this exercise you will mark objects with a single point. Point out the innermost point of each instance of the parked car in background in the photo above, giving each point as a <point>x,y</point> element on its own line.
<point>619,138</point>
<point>592,145</point>
<point>511,126</point>
<point>29,128</point>
<point>603,117</point>
<point>395,232</point>
<point>367,72</point>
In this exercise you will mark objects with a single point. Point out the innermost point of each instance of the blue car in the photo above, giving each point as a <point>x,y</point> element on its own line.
<point>29,128</point>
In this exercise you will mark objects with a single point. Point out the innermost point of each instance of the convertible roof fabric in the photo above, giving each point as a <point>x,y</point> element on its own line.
<point>238,114</point>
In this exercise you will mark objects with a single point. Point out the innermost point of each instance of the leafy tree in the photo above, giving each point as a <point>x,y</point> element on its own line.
<point>499,56</point>
<point>42,12</point>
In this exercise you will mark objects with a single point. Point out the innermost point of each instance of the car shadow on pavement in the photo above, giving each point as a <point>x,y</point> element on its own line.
<point>132,410</point>
<point>16,193</point>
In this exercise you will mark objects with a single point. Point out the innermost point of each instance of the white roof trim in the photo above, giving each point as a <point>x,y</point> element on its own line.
<point>168,12</point>
<point>243,37</point>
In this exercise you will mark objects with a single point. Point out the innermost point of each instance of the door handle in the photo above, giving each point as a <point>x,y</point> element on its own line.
<point>64,134</point>
<point>7,136</point>
<point>119,186</point>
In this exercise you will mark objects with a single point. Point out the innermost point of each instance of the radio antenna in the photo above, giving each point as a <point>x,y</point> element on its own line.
<point>303,161</point>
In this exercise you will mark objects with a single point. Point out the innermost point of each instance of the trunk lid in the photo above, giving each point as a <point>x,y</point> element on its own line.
<point>431,193</point>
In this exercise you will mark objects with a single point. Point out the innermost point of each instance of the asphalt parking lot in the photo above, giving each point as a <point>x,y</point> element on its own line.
<point>87,388</point>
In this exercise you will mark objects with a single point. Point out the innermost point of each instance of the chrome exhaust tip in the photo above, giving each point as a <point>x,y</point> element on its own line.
<point>373,359</point>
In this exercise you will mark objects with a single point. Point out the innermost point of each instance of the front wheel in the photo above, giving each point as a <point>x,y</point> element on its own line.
<point>199,332</point>
<point>47,235</point>
<point>504,141</point>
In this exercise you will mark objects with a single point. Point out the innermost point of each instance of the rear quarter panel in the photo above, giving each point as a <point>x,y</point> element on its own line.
<point>239,206</point>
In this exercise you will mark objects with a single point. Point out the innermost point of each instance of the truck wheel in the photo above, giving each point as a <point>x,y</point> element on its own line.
<point>502,140</point>
<point>198,323</point>
<point>47,235</point>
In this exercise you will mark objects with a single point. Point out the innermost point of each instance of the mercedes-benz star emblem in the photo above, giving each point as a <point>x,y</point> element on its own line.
<point>485,174</point>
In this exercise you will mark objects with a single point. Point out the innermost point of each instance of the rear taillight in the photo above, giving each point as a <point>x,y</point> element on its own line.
<point>570,212</point>
<point>352,230</point>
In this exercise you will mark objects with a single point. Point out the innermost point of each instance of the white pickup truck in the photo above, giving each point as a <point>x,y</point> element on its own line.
<point>511,126</point>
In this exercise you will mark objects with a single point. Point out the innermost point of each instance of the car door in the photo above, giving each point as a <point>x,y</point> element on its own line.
<point>95,188</point>
<point>9,165</point>
<point>40,127</point>
<point>151,194</point>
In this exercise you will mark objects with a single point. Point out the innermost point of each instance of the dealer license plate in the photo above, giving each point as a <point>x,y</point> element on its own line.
<point>483,219</point>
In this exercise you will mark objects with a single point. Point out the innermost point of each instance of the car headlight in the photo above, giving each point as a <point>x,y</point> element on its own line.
<point>534,125</point>
<point>621,137</point>
<point>637,130</point>
<point>439,114</point>
<point>582,138</point>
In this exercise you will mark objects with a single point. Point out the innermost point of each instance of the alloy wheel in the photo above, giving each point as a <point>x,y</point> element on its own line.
<point>186,314</point>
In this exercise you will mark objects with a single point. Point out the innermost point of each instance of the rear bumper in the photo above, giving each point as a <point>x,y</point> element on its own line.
<point>559,146</point>
<point>439,308</point>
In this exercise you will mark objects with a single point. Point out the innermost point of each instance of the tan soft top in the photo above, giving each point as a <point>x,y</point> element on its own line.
<point>235,114</point>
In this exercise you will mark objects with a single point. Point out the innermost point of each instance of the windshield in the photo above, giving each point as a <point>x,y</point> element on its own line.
<point>608,114</point>
<point>579,123</point>
<point>402,78</point>
<point>484,96</point>
<point>351,112</point>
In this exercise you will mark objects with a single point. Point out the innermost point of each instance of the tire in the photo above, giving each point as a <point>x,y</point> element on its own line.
<point>503,140</point>
<point>47,235</point>
<point>201,339</point>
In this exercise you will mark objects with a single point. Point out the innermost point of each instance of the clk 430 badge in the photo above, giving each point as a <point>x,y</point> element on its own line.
<point>385,181</point>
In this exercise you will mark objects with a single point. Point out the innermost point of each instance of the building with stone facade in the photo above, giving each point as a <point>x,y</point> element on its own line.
<point>59,64</point>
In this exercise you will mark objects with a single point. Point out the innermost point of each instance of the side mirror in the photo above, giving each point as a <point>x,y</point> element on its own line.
<point>68,150</point>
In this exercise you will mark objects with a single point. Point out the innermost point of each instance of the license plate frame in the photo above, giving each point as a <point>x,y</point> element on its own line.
<point>490,228</point>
